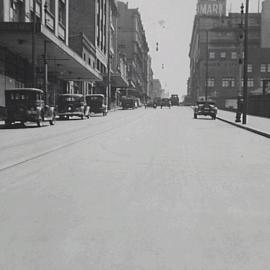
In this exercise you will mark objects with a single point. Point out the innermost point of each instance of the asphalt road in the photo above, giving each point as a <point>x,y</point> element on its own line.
<point>136,190</point>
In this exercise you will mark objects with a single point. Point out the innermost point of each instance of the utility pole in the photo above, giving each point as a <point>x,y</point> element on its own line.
<point>34,72</point>
<point>45,62</point>
<point>245,90</point>
<point>108,88</point>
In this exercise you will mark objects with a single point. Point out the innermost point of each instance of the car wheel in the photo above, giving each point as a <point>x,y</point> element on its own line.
<point>52,122</point>
<point>195,116</point>
<point>7,123</point>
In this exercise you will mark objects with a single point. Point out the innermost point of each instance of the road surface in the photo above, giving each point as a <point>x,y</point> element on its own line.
<point>136,190</point>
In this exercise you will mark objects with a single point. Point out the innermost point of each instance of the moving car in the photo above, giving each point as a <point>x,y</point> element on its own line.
<point>71,105</point>
<point>96,102</point>
<point>165,102</point>
<point>206,108</point>
<point>150,104</point>
<point>175,100</point>
<point>27,105</point>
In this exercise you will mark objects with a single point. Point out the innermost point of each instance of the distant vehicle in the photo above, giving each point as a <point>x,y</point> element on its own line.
<point>128,103</point>
<point>175,100</point>
<point>157,101</point>
<point>96,102</point>
<point>150,104</point>
<point>27,105</point>
<point>165,102</point>
<point>206,108</point>
<point>69,105</point>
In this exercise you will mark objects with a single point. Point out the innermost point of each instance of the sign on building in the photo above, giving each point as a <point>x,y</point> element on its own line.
<point>211,7</point>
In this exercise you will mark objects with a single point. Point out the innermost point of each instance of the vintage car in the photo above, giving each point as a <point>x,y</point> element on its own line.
<point>175,100</point>
<point>27,105</point>
<point>150,104</point>
<point>97,104</point>
<point>128,103</point>
<point>69,105</point>
<point>206,108</point>
<point>165,102</point>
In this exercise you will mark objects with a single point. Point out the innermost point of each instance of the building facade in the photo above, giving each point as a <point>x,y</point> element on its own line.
<point>38,56</point>
<point>95,38</point>
<point>216,54</point>
<point>132,43</point>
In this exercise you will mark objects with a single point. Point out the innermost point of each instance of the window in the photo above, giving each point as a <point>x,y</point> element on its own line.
<point>250,82</point>
<point>62,13</point>
<point>263,68</point>
<point>265,81</point>
<point>249,68</point>
<point>211,82</point>
<point>89,61</point>
<point>228,82</point>
<point>212,55</point>
<point>50,6</point>
<point>268,67</point>
<point>234,55</point>
<point>223,55</point>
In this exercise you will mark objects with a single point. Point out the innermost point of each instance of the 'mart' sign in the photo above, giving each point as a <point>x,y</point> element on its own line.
<point>211,7</point>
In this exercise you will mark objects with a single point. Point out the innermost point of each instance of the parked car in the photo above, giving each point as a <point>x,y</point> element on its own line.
<point>206,108</point>
<point>175,100</point>
<point>27,105</point>
<point>69,105</point>
<point>128,103</point>
<point>96,102</point>
<point>165,102</point>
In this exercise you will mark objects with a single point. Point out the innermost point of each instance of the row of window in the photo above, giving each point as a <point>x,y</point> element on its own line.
<point>223,55</point>
<point>231,82</point>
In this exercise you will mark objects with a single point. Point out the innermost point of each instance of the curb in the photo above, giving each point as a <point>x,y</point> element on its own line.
<point>266,135</point>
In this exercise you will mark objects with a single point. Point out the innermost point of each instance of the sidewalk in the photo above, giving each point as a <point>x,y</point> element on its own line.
<point>258,125</point>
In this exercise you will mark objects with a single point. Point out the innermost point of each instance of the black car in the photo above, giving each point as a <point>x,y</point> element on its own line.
<point>27,105</point>
<point>165,102</point>
<point>69,105</point>
<point>175,100</point>
<point>205,108</point>
<point>150,104</point>
<point>128,103</point>
<point>96,102</point>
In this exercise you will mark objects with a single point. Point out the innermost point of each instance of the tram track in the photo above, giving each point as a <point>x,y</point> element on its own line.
<point>124,121</point>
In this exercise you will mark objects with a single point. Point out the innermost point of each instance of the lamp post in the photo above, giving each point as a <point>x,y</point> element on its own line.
<point>240,59</point>
<point>245,90</point>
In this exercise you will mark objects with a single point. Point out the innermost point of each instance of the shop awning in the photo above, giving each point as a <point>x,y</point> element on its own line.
<point>63,61</point>
<point>119,81</point>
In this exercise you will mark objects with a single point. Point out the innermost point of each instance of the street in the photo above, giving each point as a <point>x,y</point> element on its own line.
<point>144,189</point>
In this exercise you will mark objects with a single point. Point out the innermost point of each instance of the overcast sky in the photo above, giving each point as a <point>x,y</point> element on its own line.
<point>169,22</point>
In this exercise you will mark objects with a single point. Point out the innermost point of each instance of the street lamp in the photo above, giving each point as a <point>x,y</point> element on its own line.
<point>245,91</point>
<point>240,59</point>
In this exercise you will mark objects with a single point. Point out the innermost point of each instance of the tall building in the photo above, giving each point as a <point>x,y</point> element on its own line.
<point>94,37</point>
<point>133,43</point>
<point>216,53</point>
<point>38,56</point>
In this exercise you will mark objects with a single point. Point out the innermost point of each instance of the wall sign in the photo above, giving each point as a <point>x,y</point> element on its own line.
<point>211,7</point>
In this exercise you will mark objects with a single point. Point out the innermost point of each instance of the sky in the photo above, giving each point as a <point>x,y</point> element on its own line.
<point>170,22</point>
